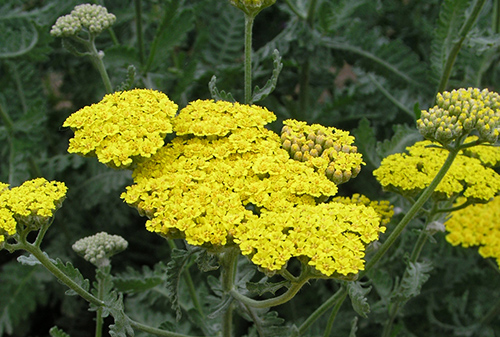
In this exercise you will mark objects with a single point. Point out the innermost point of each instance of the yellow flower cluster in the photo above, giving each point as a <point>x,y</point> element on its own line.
<point>328,150</point>
<point>209,118</point>
<point>459,112</point>
<point>488,154</point>
<point>225,180</point>
<point>122,128</point>
<point>477,225</point>
<point>383,208</point>
<point>409,174</point>
<point>30,205</point>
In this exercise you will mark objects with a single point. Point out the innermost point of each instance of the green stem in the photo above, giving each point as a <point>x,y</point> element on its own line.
<point>155,331</point>
<point>495,22</point>
<point>333,315</point>
<point>7,121</point>
<point>462,34</point>
<point>249,19</point>
<point>272,302</point>
<point>47,263</point>
<point>311,11</point>
<point>338,297</point>
<point>228,273</point>
<point>138,28</point>
<point>192,292</point>
<point>99,64</point>
<point>100,295</point>
<point>413,211</point>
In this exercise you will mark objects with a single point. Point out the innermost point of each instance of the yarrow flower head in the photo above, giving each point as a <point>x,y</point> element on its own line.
<point>410,173</point>
<point>252,7</point>
<point>124,127</point>
<point>460,112</point>
<point>224,180</point>
<point>29,206</point>
<point>477,225</point>
<point>328,150</point>
<point>99,248</point>
<point>93,18</point>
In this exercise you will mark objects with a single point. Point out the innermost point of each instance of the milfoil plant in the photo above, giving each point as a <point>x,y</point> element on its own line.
<point>262,215</point>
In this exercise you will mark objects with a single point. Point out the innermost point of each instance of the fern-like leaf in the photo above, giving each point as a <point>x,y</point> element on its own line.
<point>451,19</point>
<point>218,95</point>
<point>404,136</point>
<point>74,274</point>
<point>357,294</point>
<point>56,332</point>
<point>417,273</point>
<point>133,281</point>
<point>21,291</point>
<point>259,94</point>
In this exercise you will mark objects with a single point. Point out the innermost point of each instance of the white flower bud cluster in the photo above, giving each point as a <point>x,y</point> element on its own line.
<point>99,248</point>
<point>460,112</point>
<point>94,18</point>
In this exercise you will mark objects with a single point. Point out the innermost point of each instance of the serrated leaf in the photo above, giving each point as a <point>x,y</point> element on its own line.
<point>266,287</point>
<point>357,294</point>
<point>219,95</point>
<point>258,93</point>
<point>56,332</point>
<point>133,281</point>
<point>128,83</point>
<point>221,307</point>
<point>103,289</point>
<point>74,274</point>
<point>206,261</point>
<point>354,327</point>
<point>31,260</point>
<point>21,291</point>
<point>451,19</point>
<point>121,326</point>
<point>179,259</point>
<point>365,141</point>
<point>417,273</point>
<point>404,136</point>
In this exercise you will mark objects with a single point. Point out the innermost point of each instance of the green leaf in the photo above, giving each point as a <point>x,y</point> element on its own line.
<point>20,35</point>
<point>354,327</point>
<point>365,141</point>
<point>206,261</point>
<point>21,292</point>
<point>56,332</point>
<point>128,83</point>
<point>74,274</point>
<point>219,95</point>
<point>451,18</point>
<point>417,273</point>
<point>404,136</point>
<point>175,267</point>
<point>357,294</point>
<point>133,281</point>
<point>260,94</point>
<point>121,326</point>
<point>266,287</point>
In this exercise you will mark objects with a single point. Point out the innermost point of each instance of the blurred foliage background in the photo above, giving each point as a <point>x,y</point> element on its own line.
<point>367,66</point>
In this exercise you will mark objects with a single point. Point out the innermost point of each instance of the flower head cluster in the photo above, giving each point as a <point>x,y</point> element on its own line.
<point>94,18</point>
<point>123,127</point>
<point>30,205</point>
<point>328,150</point>
<point>477,225</point>
<point>252,7</point>
<point>99,248</point>
<point>383,208</point>
<point>225,180</point>
<point>488,154</point>
<point>411,173</point>
<point>460,112</point>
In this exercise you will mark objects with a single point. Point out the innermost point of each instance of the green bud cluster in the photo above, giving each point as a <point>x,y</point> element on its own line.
<point>326,149</point>
<point>252,7</point>
<point>99,248</point>
<point>94,18</point>
<point>460,112</point>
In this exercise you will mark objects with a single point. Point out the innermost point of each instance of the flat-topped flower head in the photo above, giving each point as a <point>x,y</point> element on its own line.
<point>461,112</point>
<point>124,127</point>
<point>383,208</point>
<point>209,118</point>
<point>224,180</point>
<point>410,173</point>
<point>252,7</point>
<point>93,18</point>
<point>30,205</point>
<point>99,248</point>
<point>327,149</point>
<point>477,225</point>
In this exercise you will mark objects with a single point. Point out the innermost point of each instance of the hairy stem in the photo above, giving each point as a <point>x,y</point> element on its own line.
<point>249,19</point>
<point>228,273</point>
<point>99,64</point>
<point>337,298</point>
